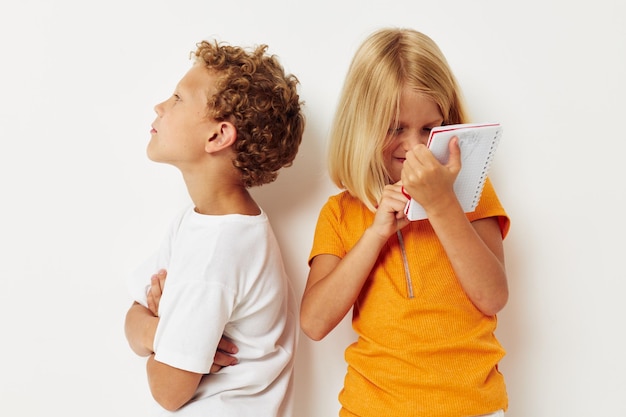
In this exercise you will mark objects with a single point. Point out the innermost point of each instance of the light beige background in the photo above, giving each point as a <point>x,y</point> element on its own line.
<point>81,204</point>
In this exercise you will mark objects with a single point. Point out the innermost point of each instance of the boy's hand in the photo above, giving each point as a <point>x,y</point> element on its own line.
<point>157,284</point>
<point>223,356</point>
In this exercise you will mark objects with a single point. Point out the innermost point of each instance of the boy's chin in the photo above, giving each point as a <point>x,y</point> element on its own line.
<point>153,156</point>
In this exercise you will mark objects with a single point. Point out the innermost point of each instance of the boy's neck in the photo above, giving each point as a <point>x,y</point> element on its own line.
<point>220,197</point>
<point>236,201</point>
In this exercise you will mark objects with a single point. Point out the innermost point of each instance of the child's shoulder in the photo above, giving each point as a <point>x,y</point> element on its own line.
<point>345,207</point>
<point>345,201</point>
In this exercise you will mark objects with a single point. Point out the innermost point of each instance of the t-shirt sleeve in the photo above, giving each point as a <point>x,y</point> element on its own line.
<point>327,238</point>
<point>192,319</point>
<point>490,206</point>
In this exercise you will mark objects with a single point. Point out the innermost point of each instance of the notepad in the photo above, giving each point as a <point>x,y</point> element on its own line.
<point>478,143</point>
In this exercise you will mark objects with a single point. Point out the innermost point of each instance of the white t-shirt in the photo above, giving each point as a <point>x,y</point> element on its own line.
<point>225,275</point>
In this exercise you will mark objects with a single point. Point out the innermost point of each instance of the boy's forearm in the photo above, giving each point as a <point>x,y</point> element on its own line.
<point>140,327</point>
<point>171,387</point>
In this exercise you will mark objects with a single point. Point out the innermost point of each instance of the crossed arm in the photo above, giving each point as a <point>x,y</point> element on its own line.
<point>171,387</point>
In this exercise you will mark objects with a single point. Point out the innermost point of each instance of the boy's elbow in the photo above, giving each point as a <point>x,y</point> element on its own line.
<point>167,403</point>
<point>171,399</point>
<point>171,388</point>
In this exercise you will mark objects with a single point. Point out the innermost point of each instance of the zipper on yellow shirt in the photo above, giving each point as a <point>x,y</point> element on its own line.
<point>407,272</point>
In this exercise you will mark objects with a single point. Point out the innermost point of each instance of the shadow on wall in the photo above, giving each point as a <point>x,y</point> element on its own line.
<point>293,201</point>
<point>515,329</point>
<point>295,189</point>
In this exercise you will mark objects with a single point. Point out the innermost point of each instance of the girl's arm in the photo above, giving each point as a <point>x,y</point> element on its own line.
<point>334,283</point>
<point>477,256</point>
<point>474,249</point>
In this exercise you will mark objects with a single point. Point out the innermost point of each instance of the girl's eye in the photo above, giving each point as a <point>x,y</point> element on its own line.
<point>395,130</point>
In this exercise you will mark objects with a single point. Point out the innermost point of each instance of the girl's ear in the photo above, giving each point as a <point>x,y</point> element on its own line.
<point>223,136</point>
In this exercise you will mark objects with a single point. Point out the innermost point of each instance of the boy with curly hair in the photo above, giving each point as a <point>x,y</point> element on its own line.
<point>232,122</point>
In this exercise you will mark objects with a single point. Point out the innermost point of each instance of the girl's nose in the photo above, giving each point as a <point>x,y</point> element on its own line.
<point>413,139</point>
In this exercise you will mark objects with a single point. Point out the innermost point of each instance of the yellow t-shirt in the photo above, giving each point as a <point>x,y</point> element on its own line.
<point>432,355</point>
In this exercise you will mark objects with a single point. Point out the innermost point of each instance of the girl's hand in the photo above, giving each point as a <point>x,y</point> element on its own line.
<point>390,215</point>
<point>429,182</point>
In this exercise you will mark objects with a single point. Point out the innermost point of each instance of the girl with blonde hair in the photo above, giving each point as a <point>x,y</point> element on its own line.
<point>424,294</point>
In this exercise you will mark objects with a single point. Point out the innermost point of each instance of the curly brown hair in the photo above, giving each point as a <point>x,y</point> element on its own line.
<point>261,101</point>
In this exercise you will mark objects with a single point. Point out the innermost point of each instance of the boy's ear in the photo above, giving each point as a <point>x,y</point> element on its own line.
<point>223,136</point>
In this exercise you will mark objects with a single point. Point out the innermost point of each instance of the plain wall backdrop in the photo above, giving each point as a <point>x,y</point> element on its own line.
<point>82,205</point>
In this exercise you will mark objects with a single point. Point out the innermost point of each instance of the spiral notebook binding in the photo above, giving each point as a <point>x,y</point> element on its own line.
<point>486,168</point>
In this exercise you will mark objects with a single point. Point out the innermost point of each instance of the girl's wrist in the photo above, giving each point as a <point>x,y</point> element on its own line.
<point>372,234</point>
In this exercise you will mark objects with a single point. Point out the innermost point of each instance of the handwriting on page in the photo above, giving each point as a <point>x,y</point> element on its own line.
<point>468,141</point>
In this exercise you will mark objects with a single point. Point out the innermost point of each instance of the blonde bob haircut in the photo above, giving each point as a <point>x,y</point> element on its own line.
<point>387,60</point>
